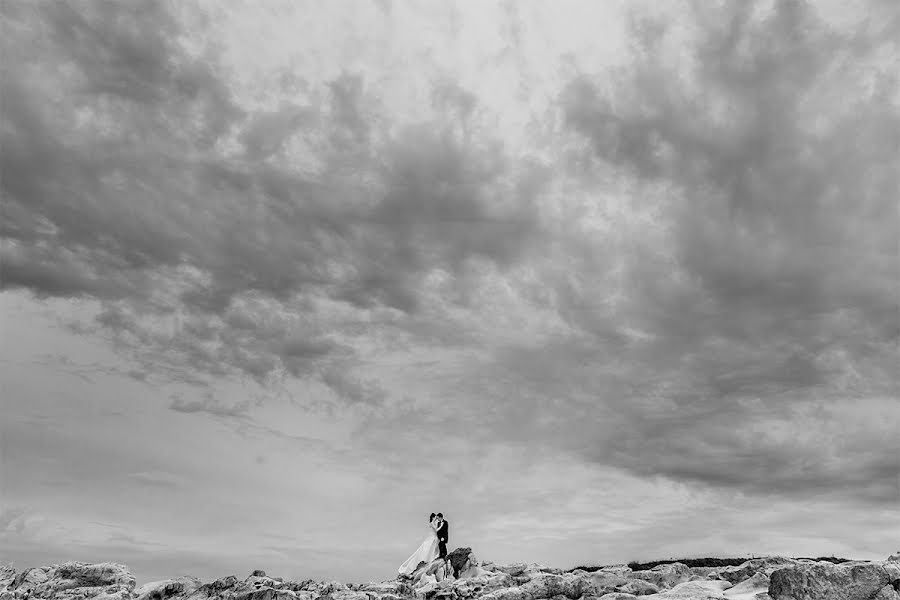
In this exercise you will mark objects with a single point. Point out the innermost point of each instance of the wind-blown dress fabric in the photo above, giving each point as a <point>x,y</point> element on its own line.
<point>427,551</point>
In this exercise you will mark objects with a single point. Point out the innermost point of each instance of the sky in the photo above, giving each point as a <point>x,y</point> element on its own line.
<point>599,281</point>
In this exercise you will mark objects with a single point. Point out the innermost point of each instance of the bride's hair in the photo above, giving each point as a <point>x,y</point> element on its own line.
<point>431,518</point>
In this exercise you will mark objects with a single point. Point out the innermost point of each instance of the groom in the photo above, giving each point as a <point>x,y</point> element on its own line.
<point>443,531</point>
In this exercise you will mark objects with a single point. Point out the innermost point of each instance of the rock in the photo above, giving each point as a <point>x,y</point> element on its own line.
<point>827,581</point>
<point>694,590</point>
<point>331,587</point>
<point>397,588</point>
<point>766,565</point>
<point>620,570</point>
<point>706,572</point>
<point>772,578</point>
<point>458,558</point>
<point>755,588</point>
<point>665,576</point>
<point>31,577</point>
<point>159,590</point>
<point>7,576</point>
<point>549,585</point>
<point>894,557</point>
<point>513,570</point>
<point>96,575</point>
<point>167,588</point>
<point>263,581</point>
<point>482,584</point>
<point>349,595</point>
<point>245,593</point>
<point>638,587</point>
<point>513,593</point>
<point>888,592</point>
<point>72,581</point>
<point>600,583</point>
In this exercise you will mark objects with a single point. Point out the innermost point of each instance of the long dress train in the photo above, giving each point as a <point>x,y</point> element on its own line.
<point>427,551</point>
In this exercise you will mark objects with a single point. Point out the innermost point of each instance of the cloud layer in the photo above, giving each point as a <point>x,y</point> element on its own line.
<point>666,254</point>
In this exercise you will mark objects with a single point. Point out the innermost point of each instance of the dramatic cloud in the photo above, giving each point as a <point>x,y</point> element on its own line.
<point>619,272</point>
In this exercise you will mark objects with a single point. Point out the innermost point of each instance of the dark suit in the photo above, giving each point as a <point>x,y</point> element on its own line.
<point>443,532</point>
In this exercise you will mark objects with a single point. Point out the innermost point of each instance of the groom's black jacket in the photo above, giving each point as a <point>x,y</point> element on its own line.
<point>443,534</point>
<point>443,531</point>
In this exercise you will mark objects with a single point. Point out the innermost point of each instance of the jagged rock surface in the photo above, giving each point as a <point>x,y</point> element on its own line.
<point>827,581</point>
<point>772,578</point>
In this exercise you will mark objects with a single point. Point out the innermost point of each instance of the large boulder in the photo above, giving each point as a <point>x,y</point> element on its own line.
<point>828,581</point>
<point>638,587</point>
<point>473,587</point>
<point>550,585</point>
<point>765,565</point>
<point>513,569</point>
<point>167,589</point>
<point>755,588</point>
<point>349,595</point>
<point>80,574</point>
<point>458,559</point>
<point>888,592</point>
<point>31,578</point>
<point>72,581</point>
<point>665,576</point>
<point>7,576</point>
<point>397,588</point>
<point>706,572</point>
<point>604,581</point>
<point>620,570</point>
<point>512,593</point>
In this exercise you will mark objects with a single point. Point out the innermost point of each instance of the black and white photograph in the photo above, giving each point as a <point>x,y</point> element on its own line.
<point>449,299</point>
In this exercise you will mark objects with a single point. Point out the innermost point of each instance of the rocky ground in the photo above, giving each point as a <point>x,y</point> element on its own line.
<point>771,578</point>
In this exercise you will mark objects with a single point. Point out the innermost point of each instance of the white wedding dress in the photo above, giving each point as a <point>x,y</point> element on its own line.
<point>428,551</point>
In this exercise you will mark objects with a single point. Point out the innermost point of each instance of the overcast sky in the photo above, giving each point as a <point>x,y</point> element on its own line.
<point>598,282</point>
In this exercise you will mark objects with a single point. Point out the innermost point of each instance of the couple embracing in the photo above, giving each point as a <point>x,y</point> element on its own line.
<point>432,548</point>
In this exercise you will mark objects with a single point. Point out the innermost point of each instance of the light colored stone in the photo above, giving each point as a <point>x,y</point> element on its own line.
<point>693,590</point>
<point>888,592</point>
<point>398,588</point>
<point>331,587</point>
<point>705,572</point>
<point>827,581</point>
<point>349,595</point>
<point>749,589</point>
<point>665,576</point>
<point>547,585</point>
<point>7,576</point>
<point>167,588</point>
<point>513,570</point>
<point>766,565</point>
<point>601,582</point>
<point>482,584</point>
<point>97,574</point>
<point>513,593</point>
<point>893,570</point>
<point>638,587</point>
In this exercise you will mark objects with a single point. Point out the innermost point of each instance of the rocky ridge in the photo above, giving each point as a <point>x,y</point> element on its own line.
<point>771,578</point>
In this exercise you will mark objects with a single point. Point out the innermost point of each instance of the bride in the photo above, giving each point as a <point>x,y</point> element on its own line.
<point>428,551</point>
